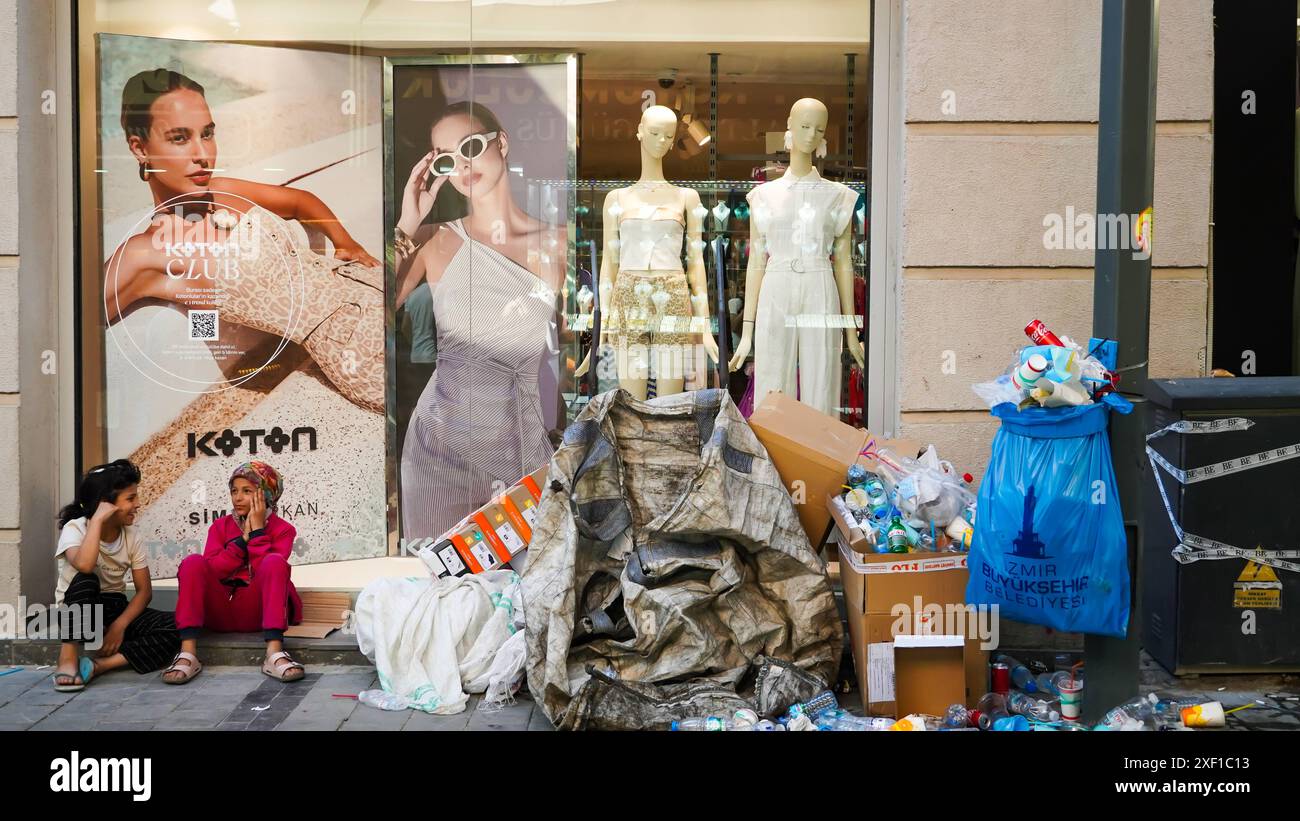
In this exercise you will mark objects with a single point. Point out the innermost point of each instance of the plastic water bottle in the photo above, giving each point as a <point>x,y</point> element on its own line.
<point>384,700</point>
<point>1020,675</point>
<point>1035,708</point>
<point>957,716</point>
<point>1045,683</point>
<point>1132,714</point>
<point>837,720</point>
<point>825,700</point>
<point>703,724</point>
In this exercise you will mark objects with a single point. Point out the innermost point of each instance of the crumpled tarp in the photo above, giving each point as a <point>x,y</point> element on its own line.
<point>668,575</point>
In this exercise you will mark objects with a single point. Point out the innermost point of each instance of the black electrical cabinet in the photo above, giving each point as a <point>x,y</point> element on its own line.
<point>1229,614</point>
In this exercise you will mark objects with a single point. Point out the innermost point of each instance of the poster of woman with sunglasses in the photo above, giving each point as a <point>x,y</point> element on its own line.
<point>481,191</point>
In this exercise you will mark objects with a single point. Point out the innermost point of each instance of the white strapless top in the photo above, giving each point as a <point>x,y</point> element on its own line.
<point>652,240</point>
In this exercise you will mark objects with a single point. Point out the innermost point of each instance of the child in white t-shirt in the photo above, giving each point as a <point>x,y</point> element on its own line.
<point>97,548</point>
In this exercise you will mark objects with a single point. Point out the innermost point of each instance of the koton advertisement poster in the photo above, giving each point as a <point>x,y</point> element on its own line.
<point>241,217</point>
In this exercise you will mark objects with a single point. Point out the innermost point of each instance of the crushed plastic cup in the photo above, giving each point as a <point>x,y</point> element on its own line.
<point>1071,697</point>
<point>1209,714</point>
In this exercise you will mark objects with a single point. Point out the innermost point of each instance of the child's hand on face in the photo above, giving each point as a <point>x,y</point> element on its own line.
<point>257,512</point>
<point>104,512</point>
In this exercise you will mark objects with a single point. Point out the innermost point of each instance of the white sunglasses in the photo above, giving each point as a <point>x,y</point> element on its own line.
<point>469,148</point>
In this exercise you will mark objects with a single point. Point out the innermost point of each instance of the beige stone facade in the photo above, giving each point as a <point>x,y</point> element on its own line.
<point>9,395</point>
<point>999,131</point>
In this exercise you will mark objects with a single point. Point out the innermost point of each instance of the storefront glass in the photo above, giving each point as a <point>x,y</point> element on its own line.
<point>366,240</point>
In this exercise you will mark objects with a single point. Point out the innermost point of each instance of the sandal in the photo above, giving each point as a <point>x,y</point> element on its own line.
<point>85,672</point>
<point>289,671</point>
<point>191,668</point>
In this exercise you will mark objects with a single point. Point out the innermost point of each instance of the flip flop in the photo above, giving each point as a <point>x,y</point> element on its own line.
<point>85,669</point>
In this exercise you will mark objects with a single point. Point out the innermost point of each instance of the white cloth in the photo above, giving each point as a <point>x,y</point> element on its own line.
<point>798,326</point>
<point>116,558</point>
<point>434,640</point>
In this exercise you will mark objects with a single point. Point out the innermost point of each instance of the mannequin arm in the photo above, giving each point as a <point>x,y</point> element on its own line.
<point>695,275</point>
<point>843,264</point>
<point>753,284</point>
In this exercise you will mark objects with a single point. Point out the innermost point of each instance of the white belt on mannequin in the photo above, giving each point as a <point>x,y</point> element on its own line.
<point>798,265</point>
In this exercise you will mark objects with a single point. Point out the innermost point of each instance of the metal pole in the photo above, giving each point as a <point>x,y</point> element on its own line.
<point>1121,300</point>
<point>713,119</point>
<point>850,69</point>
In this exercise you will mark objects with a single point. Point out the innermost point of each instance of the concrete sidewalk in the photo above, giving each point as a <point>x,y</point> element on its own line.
<point>242,698</point>
<point>232,698</point>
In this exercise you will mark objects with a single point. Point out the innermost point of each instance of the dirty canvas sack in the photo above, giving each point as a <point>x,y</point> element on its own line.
<point>1049,545</point>
<point>668,574</point>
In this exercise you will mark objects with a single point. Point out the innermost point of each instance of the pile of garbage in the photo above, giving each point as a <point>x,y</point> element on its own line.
<point>1055,372</point>
<point>909,505</point>
<point>819,714</point>
<point>1023,700</point>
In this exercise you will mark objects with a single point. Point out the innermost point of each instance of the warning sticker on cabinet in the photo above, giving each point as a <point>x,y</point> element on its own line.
<point>1257,588</point>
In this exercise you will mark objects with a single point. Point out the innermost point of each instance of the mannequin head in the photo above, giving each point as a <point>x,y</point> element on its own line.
<point>807,125</point>
<point>657,131</point>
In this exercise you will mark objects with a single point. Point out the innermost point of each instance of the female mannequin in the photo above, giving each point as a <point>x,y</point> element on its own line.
<point>641,274</point>
<point>793,299</point>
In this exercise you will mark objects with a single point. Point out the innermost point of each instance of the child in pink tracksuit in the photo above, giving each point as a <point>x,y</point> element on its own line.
<point>241,582</point>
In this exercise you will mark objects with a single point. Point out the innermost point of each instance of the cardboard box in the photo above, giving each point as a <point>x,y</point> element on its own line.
<point>873,584</point>
<point>929,673</point>
<point>490,537</point>
<point>813,452</point>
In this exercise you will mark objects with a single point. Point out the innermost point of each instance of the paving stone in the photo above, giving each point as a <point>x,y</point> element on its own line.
<point>142,712</point>
<point>123,726</point>
<point>43,695</point>
<point>538,722</point>
<point>370,718</point>
<point>426,722</point>
<point>302,724</point>
<point>68,719</point>
<point>512,717</point>
<point>25,714</point>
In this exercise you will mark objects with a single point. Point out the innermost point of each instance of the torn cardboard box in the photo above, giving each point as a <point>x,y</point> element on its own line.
<point>874,585</point>
<point>813,453</point>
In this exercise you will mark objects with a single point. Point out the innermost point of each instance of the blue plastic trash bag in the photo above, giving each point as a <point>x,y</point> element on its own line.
<point>1049,545</point>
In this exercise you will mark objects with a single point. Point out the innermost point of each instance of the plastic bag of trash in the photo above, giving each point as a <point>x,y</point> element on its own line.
<point>1049,544</point>
<point>926,490</point>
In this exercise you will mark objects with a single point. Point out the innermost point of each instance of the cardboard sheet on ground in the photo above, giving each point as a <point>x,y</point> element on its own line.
<point>323,612</point>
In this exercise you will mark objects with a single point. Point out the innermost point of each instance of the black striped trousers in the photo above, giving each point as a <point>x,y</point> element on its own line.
<point>149,643</point>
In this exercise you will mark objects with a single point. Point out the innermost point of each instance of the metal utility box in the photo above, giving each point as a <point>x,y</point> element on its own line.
<point>1221,610</point>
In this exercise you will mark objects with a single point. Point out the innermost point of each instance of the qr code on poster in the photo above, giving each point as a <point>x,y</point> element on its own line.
<point>203,326</point>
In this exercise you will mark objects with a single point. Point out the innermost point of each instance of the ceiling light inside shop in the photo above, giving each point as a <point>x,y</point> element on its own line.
<point>225,9</point>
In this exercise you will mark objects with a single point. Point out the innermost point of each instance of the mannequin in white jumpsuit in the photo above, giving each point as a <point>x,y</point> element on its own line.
<point>800,274</point>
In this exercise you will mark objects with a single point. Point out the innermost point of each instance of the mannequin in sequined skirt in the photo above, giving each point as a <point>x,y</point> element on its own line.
<point>652,304</point>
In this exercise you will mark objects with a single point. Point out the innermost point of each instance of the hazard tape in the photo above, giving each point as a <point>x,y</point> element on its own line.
<point>1193,548</point>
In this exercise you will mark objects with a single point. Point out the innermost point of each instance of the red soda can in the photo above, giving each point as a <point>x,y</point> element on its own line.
<point>1038,332</point>
<point>1001,679</point>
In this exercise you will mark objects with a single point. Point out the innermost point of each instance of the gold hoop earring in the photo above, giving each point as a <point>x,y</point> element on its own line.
<point>144,175</point>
